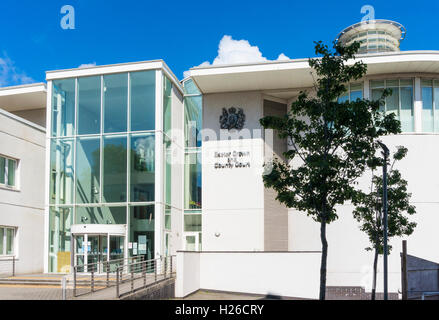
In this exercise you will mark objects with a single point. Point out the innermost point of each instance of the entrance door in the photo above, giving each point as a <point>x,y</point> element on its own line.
<point>91,251</point>
<point>192,241</point>
<point>97,252</point>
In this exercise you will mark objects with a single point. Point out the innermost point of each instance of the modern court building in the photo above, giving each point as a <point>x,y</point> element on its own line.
<point>139,163</point>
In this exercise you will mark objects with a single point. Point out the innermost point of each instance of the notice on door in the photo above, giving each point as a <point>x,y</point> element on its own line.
<point>142,244</point>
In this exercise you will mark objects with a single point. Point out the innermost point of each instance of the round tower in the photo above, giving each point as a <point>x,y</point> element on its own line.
<point>374,35</point>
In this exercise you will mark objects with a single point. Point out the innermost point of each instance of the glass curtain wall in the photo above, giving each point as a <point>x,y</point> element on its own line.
<point>193,116</point>
<point>353,92</point>
<point>102,157</point>
<point>430,105</point>
<point>399,102</point>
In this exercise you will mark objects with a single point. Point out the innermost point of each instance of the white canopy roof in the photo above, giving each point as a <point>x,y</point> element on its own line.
<point>284,79</point>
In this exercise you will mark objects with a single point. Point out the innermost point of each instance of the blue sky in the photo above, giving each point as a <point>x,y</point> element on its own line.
<point>184,33</point>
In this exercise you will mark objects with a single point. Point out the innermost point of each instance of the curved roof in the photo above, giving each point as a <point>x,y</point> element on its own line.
<point>392,24</point>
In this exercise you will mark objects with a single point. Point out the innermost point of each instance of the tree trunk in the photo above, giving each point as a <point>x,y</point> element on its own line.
<point>374,283</point>
<point>322,295</point>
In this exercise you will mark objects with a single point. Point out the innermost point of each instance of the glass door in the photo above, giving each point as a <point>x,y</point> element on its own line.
<point>192,241</point>
<point>97,252</point>
<point>80,252</point>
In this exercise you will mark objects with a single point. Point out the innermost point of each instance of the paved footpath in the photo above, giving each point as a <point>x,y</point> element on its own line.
<point>30,292</point>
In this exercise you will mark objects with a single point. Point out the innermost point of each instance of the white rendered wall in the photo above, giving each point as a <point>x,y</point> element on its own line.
<point>287,274</point>
<point>348,263</point>
<point>24,207</point>
<point>233,198</point>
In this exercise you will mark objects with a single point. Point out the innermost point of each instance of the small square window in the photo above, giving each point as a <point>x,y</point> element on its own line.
<point>8,168</point>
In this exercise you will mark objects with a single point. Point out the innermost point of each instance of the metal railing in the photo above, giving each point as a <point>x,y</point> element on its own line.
<point>139,275</point>
<point>7,266</point>
<point>96,276</point>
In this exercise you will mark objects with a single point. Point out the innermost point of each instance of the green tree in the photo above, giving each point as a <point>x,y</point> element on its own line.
<point>331,142</point>
<point>369,207</point>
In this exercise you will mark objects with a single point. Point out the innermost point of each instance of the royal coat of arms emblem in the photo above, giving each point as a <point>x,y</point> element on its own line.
<point>232,118</point>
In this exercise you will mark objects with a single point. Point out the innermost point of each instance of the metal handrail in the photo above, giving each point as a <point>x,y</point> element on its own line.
<point>90,266</point>
<point>91,269</point>
<point>160,268</point>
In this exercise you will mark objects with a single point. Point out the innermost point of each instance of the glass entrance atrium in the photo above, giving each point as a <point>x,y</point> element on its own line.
<point>106,138</point>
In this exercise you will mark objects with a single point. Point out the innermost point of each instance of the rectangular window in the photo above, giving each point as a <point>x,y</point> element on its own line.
<point>141,231</point>
<point>61,171</point>
<point>142,167</point>
<point>192,181</point>
<point>63,107</point>
<point>115,102</point>
<point>101,215</point>
<point>142,86</point>
<point>60,221</point>
<point>89,105</point>
<point>430,105</point>
<point>8,168</point>
<point>88,169</point>
<point>167,104</point>
<point>7,241</point>
<point>114,176</point>
<point>192,222</point>
<point>193,120</point>
<point>399,102</point>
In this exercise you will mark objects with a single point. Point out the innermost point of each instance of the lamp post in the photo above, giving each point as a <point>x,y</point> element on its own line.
<point>385,248</point>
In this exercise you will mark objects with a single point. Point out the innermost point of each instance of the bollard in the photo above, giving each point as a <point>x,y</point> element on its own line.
<point>155,270</point>
<point>117,283</point>
<point>63,287</point>
<point>171,267</point>
<point>74,281</point>
<point>144,274</point>
<point>92,280</point>
<point>108,273</point>
<point>132,280</point>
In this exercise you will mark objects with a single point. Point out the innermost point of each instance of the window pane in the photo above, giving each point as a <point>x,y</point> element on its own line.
<point>10,241</point>
<point>192,222</point>
<point>61,171</point>
<point>192,181</point>
<point>392,101</point>
<point>115,102</point>
<point>427,109</point>
<point>142,100</point>
<point>141,230</point>
<point>2,234</point>
<point>193,121</point>
<point>168,170</point>
<point>168,211</point>
<point>88,170</point>
<point>2,171</point>
<point>376,95</point>
<point>343,98</point>
<point>60,221</point>
<point>377,84</point>
<point>89,105</point>
<point>63,107</point>
<point>11,172</point>
<point>167,104</point>
<point>101,215</point>
<point>115,169</point>
<point>436,109</point>
<point>190,87</point>
<point>142,167</point>
<point>406,117</point>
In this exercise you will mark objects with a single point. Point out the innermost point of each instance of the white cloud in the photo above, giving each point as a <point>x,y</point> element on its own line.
<point>232,51</point>
<point>87,65</point>
<point>10,75</point>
